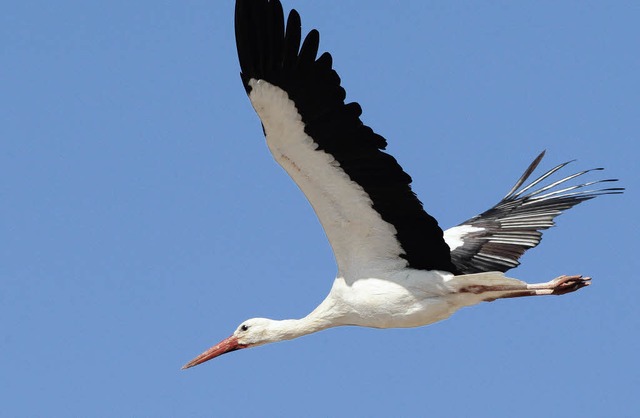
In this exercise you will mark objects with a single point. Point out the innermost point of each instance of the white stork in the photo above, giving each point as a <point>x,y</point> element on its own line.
<point>396,267</point>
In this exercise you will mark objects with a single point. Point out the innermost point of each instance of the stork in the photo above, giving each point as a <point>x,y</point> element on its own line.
<point>396,266</point>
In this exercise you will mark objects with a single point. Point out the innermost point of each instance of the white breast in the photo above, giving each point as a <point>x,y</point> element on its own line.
<point>403,299</point>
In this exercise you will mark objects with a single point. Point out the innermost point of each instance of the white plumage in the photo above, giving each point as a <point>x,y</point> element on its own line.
<point>396,267</point>
<point>360,239</point>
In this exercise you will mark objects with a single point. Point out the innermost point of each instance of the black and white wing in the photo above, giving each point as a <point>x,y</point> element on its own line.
<point>361,195</point>
<point>497,238</point>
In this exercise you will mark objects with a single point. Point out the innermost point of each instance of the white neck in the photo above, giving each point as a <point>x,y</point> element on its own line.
<point>326,315</point>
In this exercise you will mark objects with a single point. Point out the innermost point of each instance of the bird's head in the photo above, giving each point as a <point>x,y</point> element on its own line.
<point>250,333</point>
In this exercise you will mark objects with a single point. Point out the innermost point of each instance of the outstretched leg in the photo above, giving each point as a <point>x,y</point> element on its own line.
<point>492,286</point>
<point>560,285</point>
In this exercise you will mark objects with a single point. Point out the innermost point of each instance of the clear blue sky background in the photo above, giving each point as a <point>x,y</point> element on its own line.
<point>143,219</point>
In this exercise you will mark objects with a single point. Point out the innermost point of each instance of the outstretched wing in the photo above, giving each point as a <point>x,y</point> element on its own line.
<point>360,194</point>
<point>497,238</point>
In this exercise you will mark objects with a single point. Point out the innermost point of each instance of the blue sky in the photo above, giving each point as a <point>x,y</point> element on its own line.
<point>143,218</point>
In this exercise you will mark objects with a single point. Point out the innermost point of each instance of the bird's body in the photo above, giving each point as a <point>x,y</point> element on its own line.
<point>396,267</point>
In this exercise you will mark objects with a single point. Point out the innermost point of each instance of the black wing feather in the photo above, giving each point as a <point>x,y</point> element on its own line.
<point>514,225</point>
<point>267,51</point>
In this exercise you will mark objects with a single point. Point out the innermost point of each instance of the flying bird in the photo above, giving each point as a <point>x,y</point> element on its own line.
<point>396,266</point>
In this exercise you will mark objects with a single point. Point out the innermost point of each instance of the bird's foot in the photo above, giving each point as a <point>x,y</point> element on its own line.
<point>560,285</point>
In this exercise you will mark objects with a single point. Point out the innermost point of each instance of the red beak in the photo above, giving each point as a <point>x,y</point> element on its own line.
<point>225,346</point>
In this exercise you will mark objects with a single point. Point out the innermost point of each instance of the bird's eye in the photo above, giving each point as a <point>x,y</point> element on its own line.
<point>244,327</point>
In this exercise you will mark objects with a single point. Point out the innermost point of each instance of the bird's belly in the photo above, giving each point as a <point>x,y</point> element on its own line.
<point>418,314</point>
<point>381,303</point>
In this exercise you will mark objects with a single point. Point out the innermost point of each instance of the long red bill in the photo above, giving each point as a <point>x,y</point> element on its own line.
<point>225,346</point>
